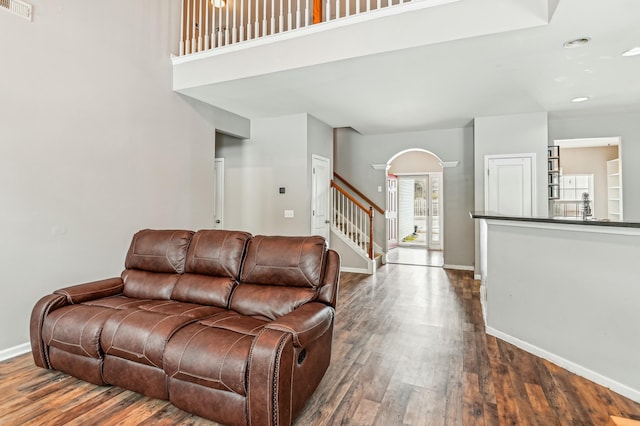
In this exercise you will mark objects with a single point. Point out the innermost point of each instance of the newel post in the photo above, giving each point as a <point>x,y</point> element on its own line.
<point>370,232</point>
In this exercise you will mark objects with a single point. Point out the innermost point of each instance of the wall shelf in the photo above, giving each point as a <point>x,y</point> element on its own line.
<point>614,189</point>
<point>553,172</point>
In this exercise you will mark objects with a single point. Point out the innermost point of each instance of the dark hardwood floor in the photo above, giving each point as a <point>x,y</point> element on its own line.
<point>409,349</point>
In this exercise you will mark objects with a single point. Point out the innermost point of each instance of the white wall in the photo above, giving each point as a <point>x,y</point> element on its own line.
<point>510,134</point>
<point>355,153</point>
<point>319,142</point>
<point>623,124</point>
<point>278,154</point>
<point>94,146</point>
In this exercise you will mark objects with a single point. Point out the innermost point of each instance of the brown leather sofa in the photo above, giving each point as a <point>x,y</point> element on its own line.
<point>233,328</point>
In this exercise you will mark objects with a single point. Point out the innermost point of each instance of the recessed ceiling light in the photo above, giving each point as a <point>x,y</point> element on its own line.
<point>632,52</point>
<point>580,99</point>
<point>579,42</point>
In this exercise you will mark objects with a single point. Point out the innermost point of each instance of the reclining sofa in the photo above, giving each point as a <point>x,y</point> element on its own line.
<point>230,327</point>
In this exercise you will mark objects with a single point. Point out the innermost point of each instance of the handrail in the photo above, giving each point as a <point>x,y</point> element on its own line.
<point>351,198</point>
<point>358,193</point>
<point>368,212</point>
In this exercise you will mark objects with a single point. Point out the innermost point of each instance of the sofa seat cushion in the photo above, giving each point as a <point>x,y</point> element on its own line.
<point>118,302</point>
<point>140,335</point>
<point>172,307</point>
<point>209,356</point>
<point>233,321</point>
<point>76,329</point>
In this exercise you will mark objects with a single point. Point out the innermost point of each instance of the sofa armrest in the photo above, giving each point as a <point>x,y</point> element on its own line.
<point>45,305</point>
<point>91,291</point>
<point>306,324</point>
<point>270,375</point>
<point>329,290</point>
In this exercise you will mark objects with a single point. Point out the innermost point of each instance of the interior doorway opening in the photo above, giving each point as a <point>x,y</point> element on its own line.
<point>414,209</point>
<point>591,166</point>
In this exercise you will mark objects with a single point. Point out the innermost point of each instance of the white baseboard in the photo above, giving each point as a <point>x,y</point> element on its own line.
<point>14,351</point>
<point>598,378</point>
<point>355,270</point>
<point>459,267</point>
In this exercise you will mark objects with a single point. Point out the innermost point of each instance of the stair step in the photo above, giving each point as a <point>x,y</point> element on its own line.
<point>621,421</point>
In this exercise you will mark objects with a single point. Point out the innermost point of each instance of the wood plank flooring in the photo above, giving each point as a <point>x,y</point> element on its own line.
<point>409,349</point>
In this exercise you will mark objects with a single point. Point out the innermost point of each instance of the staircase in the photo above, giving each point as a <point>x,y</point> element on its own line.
<point>352,224</point>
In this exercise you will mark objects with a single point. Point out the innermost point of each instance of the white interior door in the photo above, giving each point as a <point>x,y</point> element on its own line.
<point>509,184</point>
<point>218,195</point>
<point>320,196</point>
<point>392,211</point>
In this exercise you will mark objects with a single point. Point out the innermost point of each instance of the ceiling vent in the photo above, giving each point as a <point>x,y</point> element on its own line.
<point>17,7</point>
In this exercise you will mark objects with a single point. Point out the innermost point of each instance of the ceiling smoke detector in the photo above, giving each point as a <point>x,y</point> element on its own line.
<point>579,42</point>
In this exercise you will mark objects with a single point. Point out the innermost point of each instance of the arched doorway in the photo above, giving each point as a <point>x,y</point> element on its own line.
<point>414,208</point>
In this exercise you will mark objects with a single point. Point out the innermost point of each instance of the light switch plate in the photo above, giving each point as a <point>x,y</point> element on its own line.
<point>288,214</point>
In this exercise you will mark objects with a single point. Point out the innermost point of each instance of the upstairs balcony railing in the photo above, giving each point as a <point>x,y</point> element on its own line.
<point>210,24</point>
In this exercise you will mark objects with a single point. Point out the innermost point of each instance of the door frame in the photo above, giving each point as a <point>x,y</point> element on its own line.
<point>534,192</point>
<point>430,244</point>
<point>391,212</point>
<point>314,158</point>
<point>428,176</point>
<point>218,193</point>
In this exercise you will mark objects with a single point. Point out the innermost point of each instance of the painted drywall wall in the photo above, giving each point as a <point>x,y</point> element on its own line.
<point>350,260</point>
<point>591,160</point>
<point>356,153</point>
<point>566,294</point>
<point>623,124</point>
<point>94,145</point>
<point>510,134</point>
<point>278,154</point>
<point>415,162</point>
<point>320,143</point>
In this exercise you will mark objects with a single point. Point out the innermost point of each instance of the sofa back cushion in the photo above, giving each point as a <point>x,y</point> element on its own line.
<point>285,261</point>
<point>154,263</point>
<point>279,275</point>
<point>158,251</point>
<point>212,267</point>
<point>217,253</point>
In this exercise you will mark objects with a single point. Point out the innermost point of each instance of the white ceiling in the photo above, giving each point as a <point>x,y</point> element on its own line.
<point>446,84</point>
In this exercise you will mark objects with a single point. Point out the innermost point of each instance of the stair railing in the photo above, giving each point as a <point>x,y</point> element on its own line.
<point>358,193</point>
<point>352,218</point>
<point>211,24</point>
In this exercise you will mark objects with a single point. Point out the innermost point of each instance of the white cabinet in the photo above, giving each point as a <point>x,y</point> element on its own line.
<point>614,189</point>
